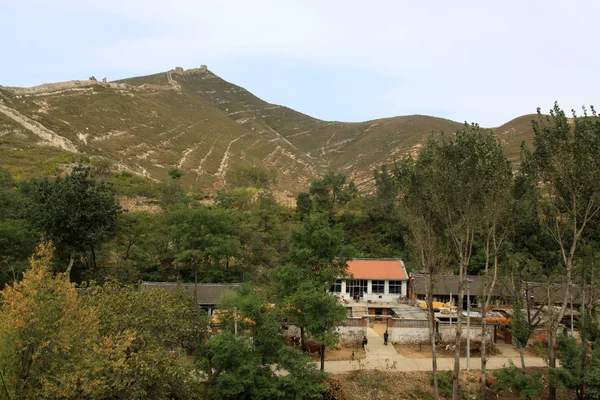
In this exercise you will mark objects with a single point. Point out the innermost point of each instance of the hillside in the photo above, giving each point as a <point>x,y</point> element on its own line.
<point>195,121</point>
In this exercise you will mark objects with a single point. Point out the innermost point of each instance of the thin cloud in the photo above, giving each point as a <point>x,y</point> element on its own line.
<point>477,61</point>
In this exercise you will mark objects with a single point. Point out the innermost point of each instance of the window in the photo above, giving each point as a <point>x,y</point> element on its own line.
<point>395,287</point>
<point>377,286</point>
<point>356,287</point>
<point>337,286</point>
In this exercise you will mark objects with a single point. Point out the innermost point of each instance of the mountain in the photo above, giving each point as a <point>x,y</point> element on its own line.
<point>195,121</point>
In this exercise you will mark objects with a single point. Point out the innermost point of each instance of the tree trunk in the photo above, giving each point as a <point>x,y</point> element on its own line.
<point>93,256</point>
<point>583,333</point>
<point>4,385</point>
<point>323,357</point>
<point>522,356</point>
<point>432,332</point>
<point>551,362</point>
<point>483,353</point>
<point>71,261</point>
<point>302,343</point>
<point>129,246</point>
<point>196,283</point>
<point>456,373</point>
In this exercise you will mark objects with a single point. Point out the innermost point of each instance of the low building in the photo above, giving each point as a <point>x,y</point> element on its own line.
<point>206,294</point>
<point>373,280</point>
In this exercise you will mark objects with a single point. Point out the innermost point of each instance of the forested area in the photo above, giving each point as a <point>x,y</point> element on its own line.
<point>75,324</point>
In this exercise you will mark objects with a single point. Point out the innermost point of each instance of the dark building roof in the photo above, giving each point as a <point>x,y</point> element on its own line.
<point>446,284</point>
<point>208,293</point>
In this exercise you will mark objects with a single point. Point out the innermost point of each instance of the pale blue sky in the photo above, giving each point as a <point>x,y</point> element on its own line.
<point>479,61</point>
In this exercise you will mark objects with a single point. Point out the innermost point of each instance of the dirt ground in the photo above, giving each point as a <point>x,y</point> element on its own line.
<point>424,351</point>
<point>344,353</point>
<point>391,385</point>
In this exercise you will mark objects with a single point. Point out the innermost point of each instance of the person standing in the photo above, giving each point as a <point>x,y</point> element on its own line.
<point>385,337</point>
<point>365,341</point>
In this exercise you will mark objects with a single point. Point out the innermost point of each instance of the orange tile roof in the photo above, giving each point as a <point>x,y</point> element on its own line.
<point>377,269</point>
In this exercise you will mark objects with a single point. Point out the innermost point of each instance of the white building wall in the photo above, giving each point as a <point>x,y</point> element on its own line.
<point>386,296</point>
<point>382,298</point>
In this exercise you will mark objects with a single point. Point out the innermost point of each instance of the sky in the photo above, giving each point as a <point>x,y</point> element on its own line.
<point>476,61</point>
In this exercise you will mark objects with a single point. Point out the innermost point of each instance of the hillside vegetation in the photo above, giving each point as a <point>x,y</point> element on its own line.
<point>205,126</point>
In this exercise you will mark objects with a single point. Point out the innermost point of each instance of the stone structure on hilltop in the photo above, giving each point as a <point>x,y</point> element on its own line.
<point>203,68</point>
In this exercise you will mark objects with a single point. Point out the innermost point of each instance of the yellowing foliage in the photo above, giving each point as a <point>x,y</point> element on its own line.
<point>50,345</point>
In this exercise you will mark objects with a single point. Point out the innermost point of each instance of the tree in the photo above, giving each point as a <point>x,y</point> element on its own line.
<point>572,365</point>
<point>175,173</point>
<point>50,342</point>
<point>318,257</point>
<point>565,162</point>
<point>166,326</point>
<point>520,329</point>
<point>245,363</point>
<point>265,237</point>
<point>457,177</point>
<point>303,205</point>
<point>17,241</point>
<point>77,213</point>
<point>257,177</point>
<point>206,239</point>
<point>497,220</point>
<point>330,192</point>
<point>427,244</point>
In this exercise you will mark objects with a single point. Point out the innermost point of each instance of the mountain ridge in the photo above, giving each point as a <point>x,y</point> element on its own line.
<point>198,122</point>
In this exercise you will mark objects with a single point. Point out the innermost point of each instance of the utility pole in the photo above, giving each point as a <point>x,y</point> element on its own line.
<point>235,319</point>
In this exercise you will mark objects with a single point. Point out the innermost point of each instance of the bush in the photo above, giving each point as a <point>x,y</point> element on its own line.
<point>515,380</point>
<point>444,383</point>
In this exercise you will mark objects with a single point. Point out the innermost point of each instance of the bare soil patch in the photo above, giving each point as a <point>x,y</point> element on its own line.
<point>391,385</point>
<point>341,354</point>
<point>443,351</point>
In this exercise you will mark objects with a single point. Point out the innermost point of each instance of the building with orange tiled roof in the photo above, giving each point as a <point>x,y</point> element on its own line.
<point>373,280</point>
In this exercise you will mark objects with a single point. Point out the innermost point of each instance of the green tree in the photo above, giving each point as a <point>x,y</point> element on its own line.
<point>245,364</point>
<point>205,242</point>
<point>430,249</point>
<point>572,365</point>
<point>457,174</point>
<point>303,205</point>
<point>17,241</point>
<point>265,237</point>
<point>332,191</point>
<point>318,257</point>
<point>175,173</point>
<point>76,212</point>
<point>256,177</point>
<point>520,329</point>
<point>565,162</point>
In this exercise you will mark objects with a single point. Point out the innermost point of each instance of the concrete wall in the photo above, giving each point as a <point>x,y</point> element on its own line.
<point>449,333</point>
<point>401,334</point>
<point>420,334</point>
<point>351,335</point>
